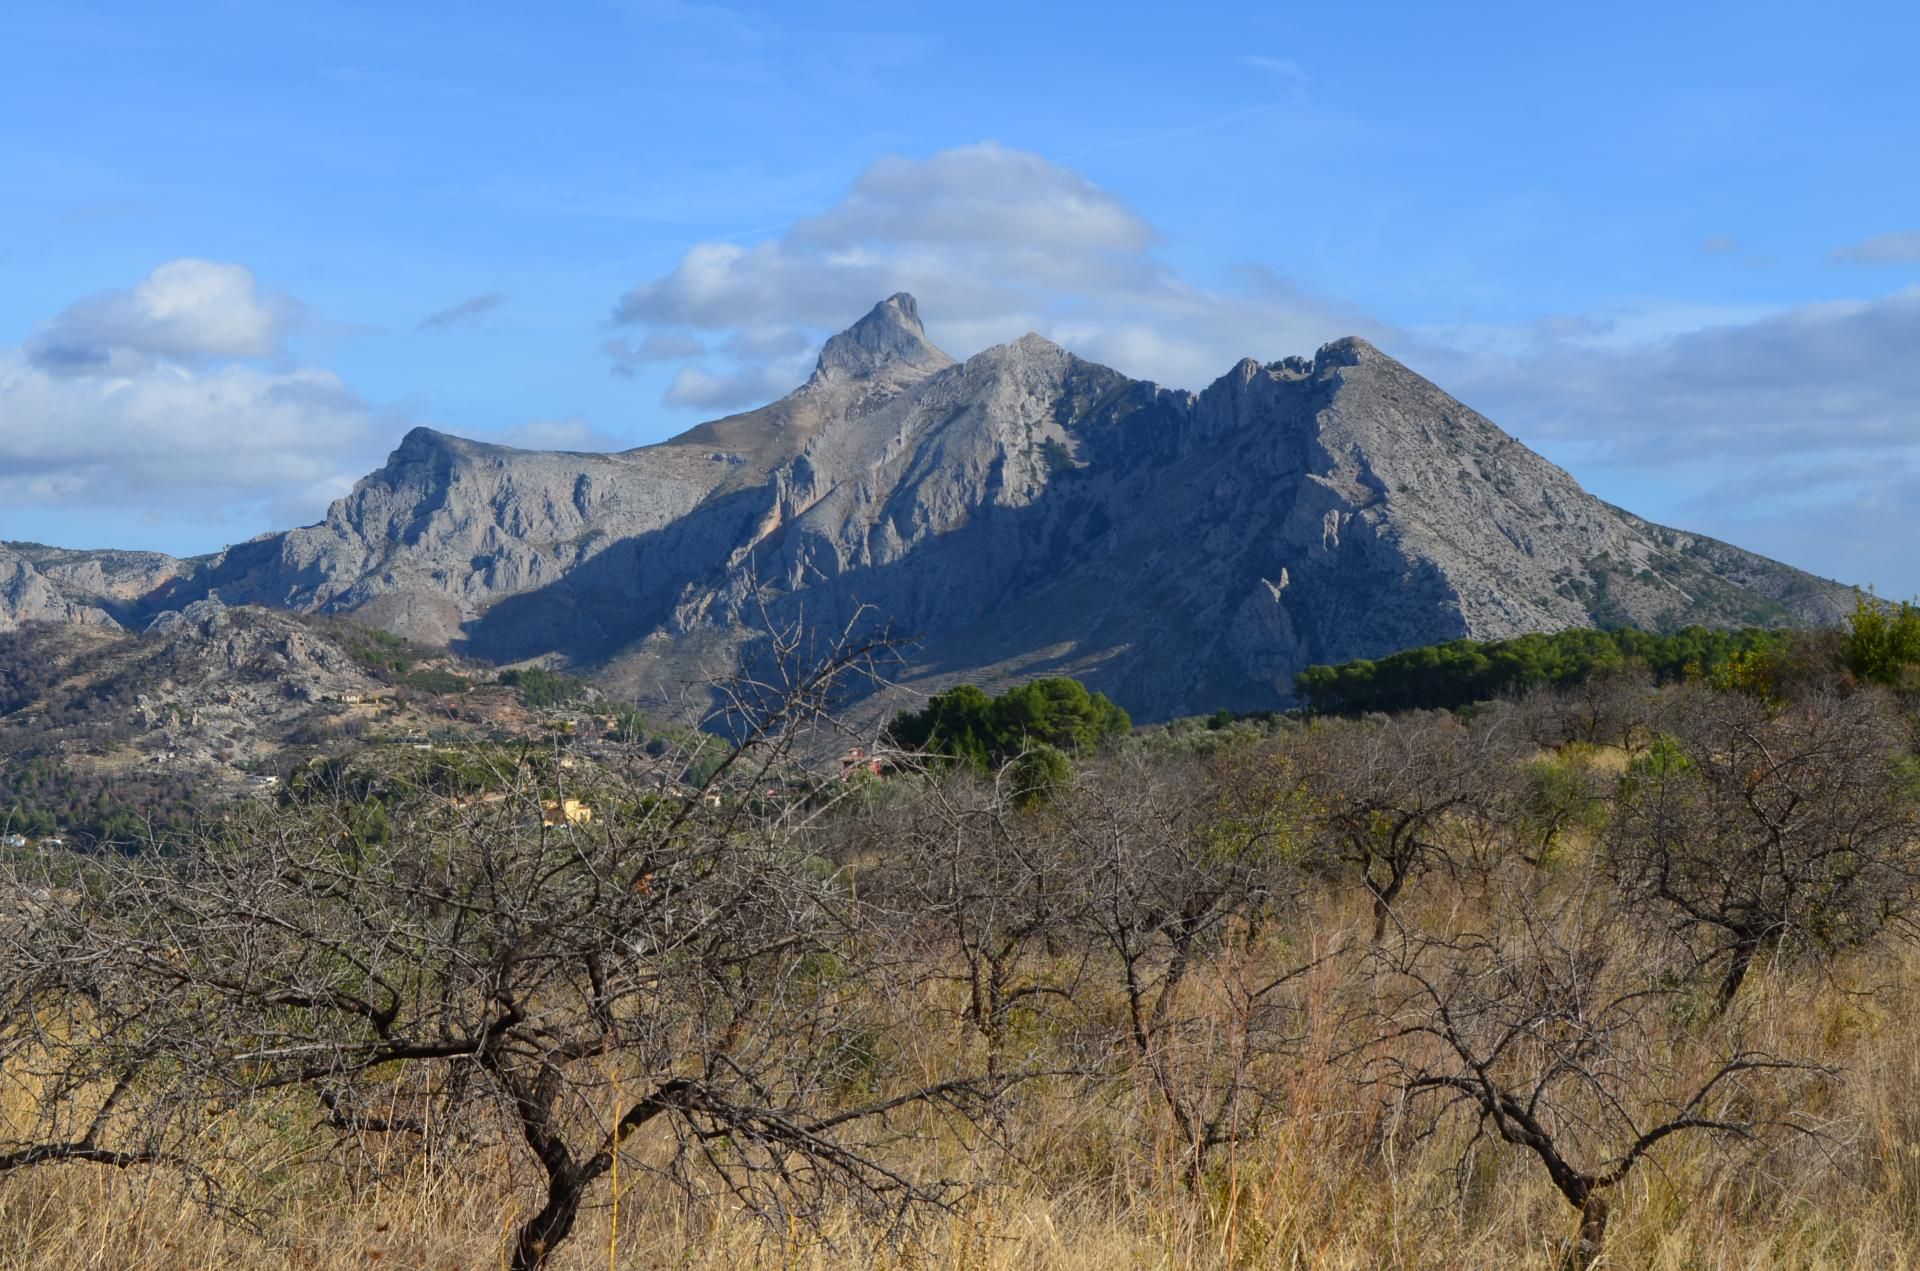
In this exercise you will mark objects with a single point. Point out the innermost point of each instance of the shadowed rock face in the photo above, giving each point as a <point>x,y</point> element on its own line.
<point>1023,512</point>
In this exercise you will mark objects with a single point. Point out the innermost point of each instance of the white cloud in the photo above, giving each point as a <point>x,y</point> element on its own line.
<point>172,434</point>
<point>627,356</point>
<point>151,399</point>
<point>1817,377</point>
<point>186,310</point>
<point>733,390</point>
<point>1899,248</point>
<point>993,242</point>
<point>987,194</point>
<point>768,342</point>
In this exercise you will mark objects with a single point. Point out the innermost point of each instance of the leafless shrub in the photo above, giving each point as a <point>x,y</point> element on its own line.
<point>1755,829</point>
<point>1547,1027</point>
<point>1392,792</point>
<point>975,878</point>
<point>683,960</point>
<point>1611,707</point>
<point>1187,869</point>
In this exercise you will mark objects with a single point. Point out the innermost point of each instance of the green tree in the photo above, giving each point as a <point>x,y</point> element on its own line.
<point>984,732</point>
<point>1882,644</point>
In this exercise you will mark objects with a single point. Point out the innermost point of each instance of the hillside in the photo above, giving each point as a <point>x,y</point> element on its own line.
<point>97,723</point>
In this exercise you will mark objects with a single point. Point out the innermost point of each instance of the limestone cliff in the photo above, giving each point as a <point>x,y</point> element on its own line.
<point>1023,512</point>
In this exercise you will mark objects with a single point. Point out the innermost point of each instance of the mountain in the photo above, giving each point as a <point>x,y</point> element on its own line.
<point>53,584</point>
<point>1023,512</point>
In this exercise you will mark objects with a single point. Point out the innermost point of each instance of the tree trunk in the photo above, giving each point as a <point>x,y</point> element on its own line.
<point>1383,898</point>
<point>1743,955</point>
<point>1588,1243</point>
<point>1584,1252</point>
<point>541,1234</point>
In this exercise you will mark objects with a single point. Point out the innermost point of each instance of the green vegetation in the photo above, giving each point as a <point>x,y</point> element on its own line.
<point>984,732</point>
<point>1459,673</point>
<point>436,680</point>
<point>385,654</point>
<point>1882,644</point>
<point>539,687</point>
<point>41,797</point>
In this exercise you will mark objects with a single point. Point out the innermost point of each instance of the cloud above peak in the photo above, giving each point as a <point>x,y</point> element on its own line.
<point>984,194</point>
<point>994,242</point>
<point>187,310</point>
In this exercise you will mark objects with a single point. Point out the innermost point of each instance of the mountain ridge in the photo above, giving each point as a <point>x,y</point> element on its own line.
<point>1022,511</point>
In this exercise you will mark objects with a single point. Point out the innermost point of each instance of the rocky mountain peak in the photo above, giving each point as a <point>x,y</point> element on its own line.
<point>1179,551</point>
<point>889,342</point>
<point>1348,350</point>
<point>424,444</point>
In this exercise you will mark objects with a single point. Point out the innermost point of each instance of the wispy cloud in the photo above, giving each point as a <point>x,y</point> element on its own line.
<point>554,434</point>
<point>470,310</point>
<point>1898,248</point>
<point>1288,73</point>
<point>628,356</point>
<point>1828,377</point>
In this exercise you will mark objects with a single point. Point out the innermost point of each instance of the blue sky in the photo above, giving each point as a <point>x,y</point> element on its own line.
<point>244,246</point>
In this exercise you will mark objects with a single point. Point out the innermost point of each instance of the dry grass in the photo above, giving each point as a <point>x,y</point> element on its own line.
<point>1092,1181</point>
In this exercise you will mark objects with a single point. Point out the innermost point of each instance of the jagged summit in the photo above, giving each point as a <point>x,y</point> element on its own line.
<point>423,443</point>
<point>1025,512</point>
<point>889,341</point>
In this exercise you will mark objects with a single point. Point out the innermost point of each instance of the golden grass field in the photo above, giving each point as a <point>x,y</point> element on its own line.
<point>1091,1182</point>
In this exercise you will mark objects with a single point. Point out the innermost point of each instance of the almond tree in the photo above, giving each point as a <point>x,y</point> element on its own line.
<point>1391,792</point>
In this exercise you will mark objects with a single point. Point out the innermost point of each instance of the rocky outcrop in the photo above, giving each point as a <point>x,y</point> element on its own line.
<point>27,596</point>
<point>90,588</point>
<point>1022,512</point>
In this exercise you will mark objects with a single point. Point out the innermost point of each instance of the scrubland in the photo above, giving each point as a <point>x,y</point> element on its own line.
<point>1616,975</point>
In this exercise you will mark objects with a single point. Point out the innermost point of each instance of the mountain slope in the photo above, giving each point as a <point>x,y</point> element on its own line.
<point>1022,512</point>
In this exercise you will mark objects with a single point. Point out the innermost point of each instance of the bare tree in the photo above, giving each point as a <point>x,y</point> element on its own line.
<point>65,1103</point>
<point>1548,1029</point>
<point>1392,791</point>
<point>679,965</point>
<point>1187,868</point>
<point>1757,828</point>
<point>1611,707</point>
<point>974,876</point>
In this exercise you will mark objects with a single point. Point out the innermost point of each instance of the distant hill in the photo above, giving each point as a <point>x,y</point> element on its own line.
<point>1022,513</point>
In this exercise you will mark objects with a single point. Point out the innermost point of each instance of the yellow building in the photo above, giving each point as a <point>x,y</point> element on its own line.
<point>565,812</point>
